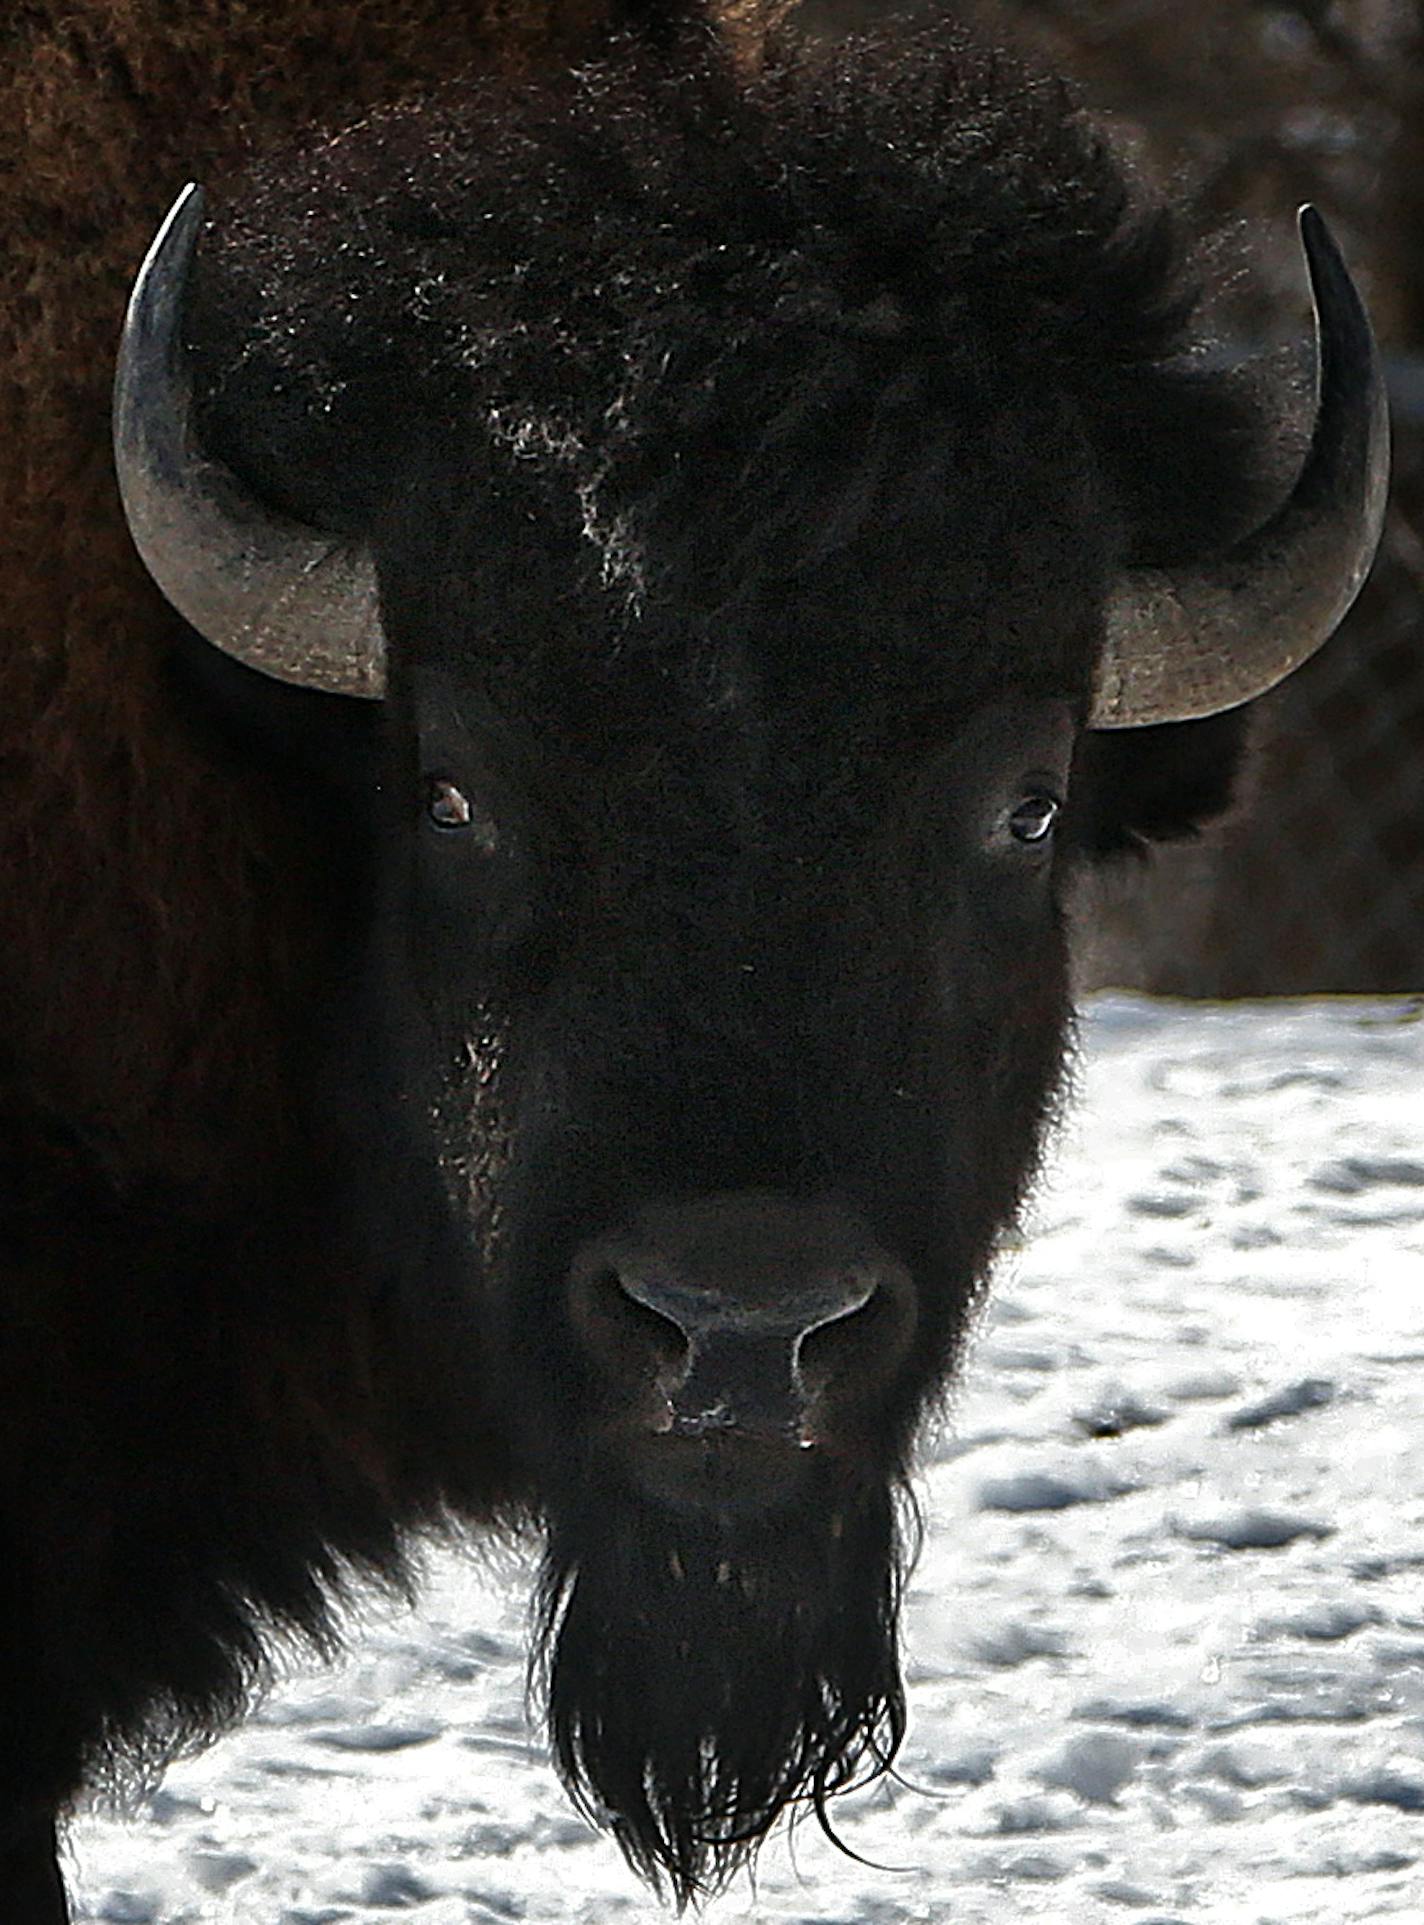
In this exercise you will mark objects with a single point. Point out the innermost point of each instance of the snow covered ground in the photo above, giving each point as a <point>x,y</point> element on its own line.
<point>1166,1640</point>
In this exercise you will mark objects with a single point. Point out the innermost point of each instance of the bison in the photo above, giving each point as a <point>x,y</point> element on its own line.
<point>536,988</point>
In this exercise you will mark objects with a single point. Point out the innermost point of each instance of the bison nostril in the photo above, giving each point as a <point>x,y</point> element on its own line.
<point>747,1313</point>
<point>865,1343</point>
<point>622,1330</point>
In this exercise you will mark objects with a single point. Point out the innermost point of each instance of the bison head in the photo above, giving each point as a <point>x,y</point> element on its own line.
<point>738,545</point>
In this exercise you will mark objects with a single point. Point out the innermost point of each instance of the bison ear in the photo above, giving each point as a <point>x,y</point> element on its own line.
<point>1133,787</point>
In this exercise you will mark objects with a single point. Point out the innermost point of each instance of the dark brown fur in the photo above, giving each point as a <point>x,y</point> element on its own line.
<point>131,869</point>
<point>156,911</point>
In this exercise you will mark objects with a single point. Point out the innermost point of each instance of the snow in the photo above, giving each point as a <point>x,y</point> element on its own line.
<point>1165,1640</point>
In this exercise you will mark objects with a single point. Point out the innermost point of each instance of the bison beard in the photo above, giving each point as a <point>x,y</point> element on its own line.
<point>701,1675</point>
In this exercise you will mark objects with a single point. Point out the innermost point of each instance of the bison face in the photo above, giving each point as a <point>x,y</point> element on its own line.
<point>716,1032</point>
<point>695,1008</point>
<point>692,1023</point>
<point>685,1056</point>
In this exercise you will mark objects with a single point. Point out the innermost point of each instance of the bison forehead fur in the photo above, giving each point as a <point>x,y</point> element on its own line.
<point>656,283</point>
<point>744,458</point>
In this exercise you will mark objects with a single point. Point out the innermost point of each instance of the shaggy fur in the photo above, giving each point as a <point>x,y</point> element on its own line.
<point>785,1636</point>
<point>111,827</point>
<point>744,454</point>
<point>160,917</point>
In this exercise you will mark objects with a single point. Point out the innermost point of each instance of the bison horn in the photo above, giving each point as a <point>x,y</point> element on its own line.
<point>283,598</point>
<point>1190,642</point>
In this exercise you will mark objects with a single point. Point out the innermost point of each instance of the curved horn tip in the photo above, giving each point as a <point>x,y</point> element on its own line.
<point>1332,286</point>
<point>1318,239</point>
<point>170,251</point>
<point>1312,224</point>
<point>1323,259</point>
<point>183,217</point>
<point>1186,643</point>
<point>290,601</point>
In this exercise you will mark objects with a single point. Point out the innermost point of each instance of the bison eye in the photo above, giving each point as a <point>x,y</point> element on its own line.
<point>1032,819</point>
<point>447,806</point>
<point>450,808</point>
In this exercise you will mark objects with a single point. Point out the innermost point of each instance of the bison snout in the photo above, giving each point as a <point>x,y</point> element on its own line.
<point>739,1317</point>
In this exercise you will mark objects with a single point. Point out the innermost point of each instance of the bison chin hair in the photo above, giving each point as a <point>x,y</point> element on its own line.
<point>700,1677</point>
